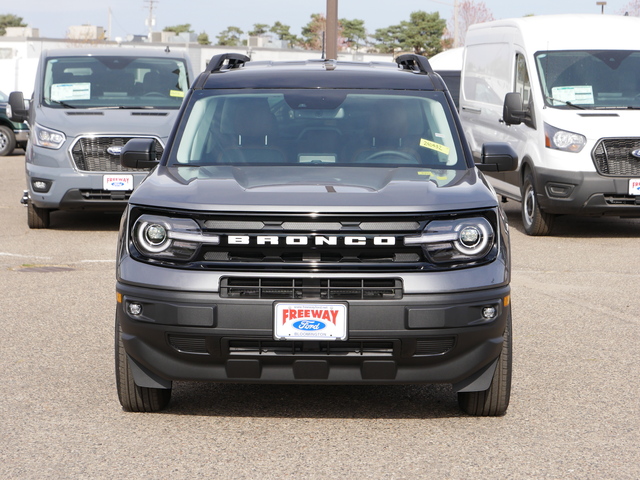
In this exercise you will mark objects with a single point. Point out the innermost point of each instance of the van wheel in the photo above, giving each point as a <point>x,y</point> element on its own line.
<point>37,217</point>
<point>7,141</point>
<point>132,397</point>
<point>494,401</point>
<point>536,222</point>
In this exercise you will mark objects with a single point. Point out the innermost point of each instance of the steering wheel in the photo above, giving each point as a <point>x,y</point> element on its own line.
<point>154,94</point>
<point>406,156</point>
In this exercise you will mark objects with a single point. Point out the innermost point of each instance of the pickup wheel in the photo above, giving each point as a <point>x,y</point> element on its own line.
<point>37,217</point>
<point>494,401</point>
<point>536,222</point>
<point>7,141</point>
<point>132,397</point>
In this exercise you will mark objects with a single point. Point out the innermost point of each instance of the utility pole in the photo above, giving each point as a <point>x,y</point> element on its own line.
<point>151,21</point>
<point>331,38</point>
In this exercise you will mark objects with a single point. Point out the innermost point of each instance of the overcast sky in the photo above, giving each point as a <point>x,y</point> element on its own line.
<point>53,17</point>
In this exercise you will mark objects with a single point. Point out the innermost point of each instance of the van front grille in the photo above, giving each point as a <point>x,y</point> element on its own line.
<point>91,154</point>
<point>613,157</point>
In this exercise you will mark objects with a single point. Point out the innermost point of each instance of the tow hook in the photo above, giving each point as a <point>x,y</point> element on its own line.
<point>25,197</point>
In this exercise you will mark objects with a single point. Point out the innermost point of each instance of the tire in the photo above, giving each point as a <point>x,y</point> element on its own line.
<point>536,222</point>
<point>37,217</point>
<point>7,141</point>
<point>494,401</point>
<point>132,397</point>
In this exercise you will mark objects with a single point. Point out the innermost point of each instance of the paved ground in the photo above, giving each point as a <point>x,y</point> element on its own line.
<point>575,411</point>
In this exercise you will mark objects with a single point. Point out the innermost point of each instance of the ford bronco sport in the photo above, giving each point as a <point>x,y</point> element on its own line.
<point>316,222</point>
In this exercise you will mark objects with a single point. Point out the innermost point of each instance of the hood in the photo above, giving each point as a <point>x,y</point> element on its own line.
<point>103,121</point>
<point>313,189</point>
<point>596,124</point>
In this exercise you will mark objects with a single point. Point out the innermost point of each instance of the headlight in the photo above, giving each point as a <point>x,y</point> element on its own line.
<point>460,240</point>
<point>169,238</point>
<point>45,137</point>
<point>563,140</point>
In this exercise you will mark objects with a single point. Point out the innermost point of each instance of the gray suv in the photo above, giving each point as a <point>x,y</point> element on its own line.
<point>315,222</point>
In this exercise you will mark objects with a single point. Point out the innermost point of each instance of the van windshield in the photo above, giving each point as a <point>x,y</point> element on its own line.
<point>317,127</point>
<point>590,79</point>
<point>114,82</point>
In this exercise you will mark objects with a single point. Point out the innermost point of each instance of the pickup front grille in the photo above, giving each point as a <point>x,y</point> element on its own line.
<point>90,154</point>
<point>612,157</point>
<point>311,288</point>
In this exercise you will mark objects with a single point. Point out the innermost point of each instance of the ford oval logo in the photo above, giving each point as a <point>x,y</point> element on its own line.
<point>308,325</point>
<point>114,150</point>
<point>636,153</point>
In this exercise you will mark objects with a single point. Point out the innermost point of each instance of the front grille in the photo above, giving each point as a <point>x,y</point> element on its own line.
<point>311,288</point>
<point>270,347</point>
<point>90,154</point>
<point>612,157</point>
<point>105,195</point>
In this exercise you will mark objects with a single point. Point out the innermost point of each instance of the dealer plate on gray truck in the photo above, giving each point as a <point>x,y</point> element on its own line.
<point>304,321</point>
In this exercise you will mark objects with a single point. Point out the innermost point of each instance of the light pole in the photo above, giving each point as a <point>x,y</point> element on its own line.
<point>331,38</point>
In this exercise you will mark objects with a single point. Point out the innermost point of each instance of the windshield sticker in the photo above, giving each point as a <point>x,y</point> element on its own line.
<point>436,176</point>
<point>577,95</point>
<point>434,146</point>
<point>176,93</point>
<point>62,92</point>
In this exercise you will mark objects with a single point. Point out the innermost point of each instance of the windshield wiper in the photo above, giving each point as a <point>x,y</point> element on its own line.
<point>566,103</point>
<point>64,104</point>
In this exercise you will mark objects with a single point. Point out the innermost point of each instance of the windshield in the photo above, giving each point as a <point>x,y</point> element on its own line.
<point>318,127</point>
<point>114,82</point>
<point>590,78</point>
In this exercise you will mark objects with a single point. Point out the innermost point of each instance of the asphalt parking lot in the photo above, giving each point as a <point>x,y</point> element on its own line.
<point>574,413</point>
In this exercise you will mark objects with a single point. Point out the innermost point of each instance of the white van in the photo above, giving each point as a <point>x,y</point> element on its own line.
<point>564,91</point>
<point>87,104</point>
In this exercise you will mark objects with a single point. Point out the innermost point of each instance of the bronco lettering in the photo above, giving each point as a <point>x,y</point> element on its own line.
<point>317,240</point>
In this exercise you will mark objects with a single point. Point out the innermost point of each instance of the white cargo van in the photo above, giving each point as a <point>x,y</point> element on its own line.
<point>564,91</point>
<point>87,104</point>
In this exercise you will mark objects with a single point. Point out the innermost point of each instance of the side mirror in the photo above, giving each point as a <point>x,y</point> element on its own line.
<point>512,112</point>
<point>139,153</point>
<point>498,157</point>
<point>18,109</point>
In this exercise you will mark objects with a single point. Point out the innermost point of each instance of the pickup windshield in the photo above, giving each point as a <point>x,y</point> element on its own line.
<point>318,127</point>
<point>590,79</point>
<point>114,82</point>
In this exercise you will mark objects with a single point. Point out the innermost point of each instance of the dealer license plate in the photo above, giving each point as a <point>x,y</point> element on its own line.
<point>117,182</point>
<point>634,186</point>
<point>310,321</point>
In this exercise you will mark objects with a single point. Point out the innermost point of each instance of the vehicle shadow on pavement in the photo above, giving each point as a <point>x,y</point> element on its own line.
<point>314,401</point>
<point>570,226</point>
<point>85,221</point>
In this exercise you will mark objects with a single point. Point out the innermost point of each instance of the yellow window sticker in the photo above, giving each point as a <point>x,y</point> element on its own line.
<point>176,93</point>
<point>434,146</point>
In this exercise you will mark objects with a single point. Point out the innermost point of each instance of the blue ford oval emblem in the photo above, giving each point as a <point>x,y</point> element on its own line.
<point>636,153</point>
<point>308,325</point>
<point>114,150</point>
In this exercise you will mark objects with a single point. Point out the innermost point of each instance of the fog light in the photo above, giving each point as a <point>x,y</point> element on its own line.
<point>134,308</point>
<point>41,186</point>
<point>489,313</point>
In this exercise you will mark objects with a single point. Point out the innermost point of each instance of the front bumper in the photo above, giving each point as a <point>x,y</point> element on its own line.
<point>425,338</point>
<point>584,193</point>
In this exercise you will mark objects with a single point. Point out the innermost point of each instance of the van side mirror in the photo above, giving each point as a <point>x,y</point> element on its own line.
<point>512,112</point>
<point>139,153</point>
<point>18,108</point>
<point>498,157</point>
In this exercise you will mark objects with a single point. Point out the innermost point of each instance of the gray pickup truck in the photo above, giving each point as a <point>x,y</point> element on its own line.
<point>315,222</point>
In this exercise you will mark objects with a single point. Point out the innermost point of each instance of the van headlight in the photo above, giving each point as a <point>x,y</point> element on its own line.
<point>46,137</point>
<point>155,236</point>
<point>459,240</point>
<point>563,140</point>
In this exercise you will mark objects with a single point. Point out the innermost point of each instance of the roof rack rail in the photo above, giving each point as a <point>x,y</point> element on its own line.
<point>233,60</point>
<point>412,61</point>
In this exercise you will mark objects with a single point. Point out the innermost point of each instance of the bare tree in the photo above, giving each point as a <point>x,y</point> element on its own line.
<point>469,13</point>
<point>632,9</point>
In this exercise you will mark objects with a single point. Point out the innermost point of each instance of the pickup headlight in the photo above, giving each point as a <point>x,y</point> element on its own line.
<point>168,238</point>
<point>563,140</point>
<point>45,137</point>
<point>459,240</point>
